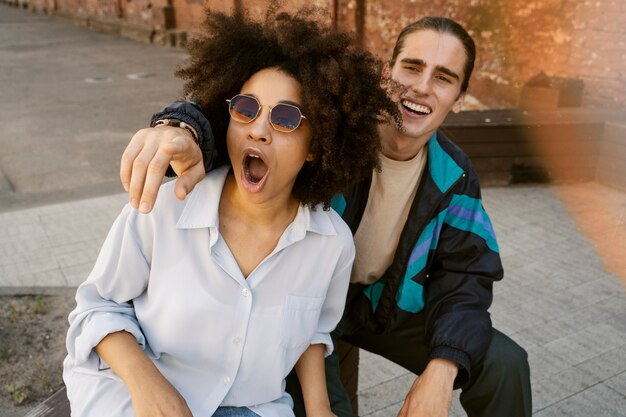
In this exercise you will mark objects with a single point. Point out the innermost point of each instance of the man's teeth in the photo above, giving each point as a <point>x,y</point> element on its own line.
<point>254,156</point>
<point>416,107</point>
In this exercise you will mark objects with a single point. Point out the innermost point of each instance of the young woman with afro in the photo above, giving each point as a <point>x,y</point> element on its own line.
<point>203,306</point>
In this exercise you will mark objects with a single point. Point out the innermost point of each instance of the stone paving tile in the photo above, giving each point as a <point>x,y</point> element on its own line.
<point>55,245</point>
<point>543,364</point>
<point>614,311</point>
<point>597,401</point>
<point>618,383</point>
<point>509,296</point>
<point>586,344</point>
<point>49,278</point>
<point>76,274</point>
<point>560,386</point>
<point>607,366</point>
<point>389,392</point>
<point>545,333</point>
<point>590,317</point>
<point>387,411</point>
<point>595,291</point>
<point>374,370</point>
<point>552,306</point>
<point>511,320</point>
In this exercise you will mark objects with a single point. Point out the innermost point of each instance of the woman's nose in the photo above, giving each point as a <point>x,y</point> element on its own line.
<point>260,128</point>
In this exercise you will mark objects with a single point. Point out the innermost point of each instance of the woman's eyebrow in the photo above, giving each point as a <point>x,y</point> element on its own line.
<point>293,103</point>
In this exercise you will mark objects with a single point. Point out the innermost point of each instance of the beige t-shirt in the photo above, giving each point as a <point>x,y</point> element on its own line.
<point>391,194</point>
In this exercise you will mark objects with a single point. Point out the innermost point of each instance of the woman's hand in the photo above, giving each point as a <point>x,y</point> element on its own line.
<point>156,397</point>
<point>322,412</point>
<point>151,393</point>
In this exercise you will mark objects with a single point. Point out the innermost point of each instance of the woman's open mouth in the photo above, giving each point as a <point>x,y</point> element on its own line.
<point>254,171</point>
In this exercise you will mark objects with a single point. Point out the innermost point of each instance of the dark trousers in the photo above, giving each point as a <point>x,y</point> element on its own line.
<point>499,384</point>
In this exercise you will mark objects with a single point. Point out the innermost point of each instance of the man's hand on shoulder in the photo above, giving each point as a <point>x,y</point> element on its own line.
<point>431,393</point>
<point>147,157</point>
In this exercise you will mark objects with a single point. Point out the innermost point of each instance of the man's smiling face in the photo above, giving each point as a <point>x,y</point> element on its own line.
<point>430,68</point>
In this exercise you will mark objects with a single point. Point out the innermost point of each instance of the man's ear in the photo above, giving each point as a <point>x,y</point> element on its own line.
<point>386,72</point>
<point>458,104</point>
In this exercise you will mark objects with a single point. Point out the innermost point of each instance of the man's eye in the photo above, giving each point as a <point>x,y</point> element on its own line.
<point>443,78</point>
<point>412,69</point>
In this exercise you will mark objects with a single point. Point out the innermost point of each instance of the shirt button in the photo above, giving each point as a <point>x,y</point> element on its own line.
<point>245,292</point>
<point>226,381</point>
<point>237,340</point>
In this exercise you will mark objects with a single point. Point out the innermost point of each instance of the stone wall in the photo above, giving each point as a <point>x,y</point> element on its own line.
<point>516,39</point>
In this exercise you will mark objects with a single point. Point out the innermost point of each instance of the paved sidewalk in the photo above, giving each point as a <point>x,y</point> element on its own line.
<point>71,100</point>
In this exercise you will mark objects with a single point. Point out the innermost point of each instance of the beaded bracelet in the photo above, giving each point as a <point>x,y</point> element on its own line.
<point>178,123</point>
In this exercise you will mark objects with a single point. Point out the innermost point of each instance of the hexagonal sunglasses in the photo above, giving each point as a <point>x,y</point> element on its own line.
<point>283,117</point>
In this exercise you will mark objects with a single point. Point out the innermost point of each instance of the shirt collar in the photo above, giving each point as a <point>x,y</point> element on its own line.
<point>201,209</point>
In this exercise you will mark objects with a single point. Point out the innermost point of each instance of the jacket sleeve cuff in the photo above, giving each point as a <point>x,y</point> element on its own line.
<point>190,113</point>
<point>455,355</point>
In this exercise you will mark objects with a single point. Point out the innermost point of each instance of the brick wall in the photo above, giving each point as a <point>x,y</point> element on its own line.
<point>516,39</point>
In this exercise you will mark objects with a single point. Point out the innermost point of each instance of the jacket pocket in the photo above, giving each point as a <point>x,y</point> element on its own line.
<point>299,322</point>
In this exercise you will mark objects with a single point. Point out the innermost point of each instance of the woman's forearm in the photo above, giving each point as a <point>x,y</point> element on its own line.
<point>312,376</point>
<point>123,354</point>
<point>151,393</point>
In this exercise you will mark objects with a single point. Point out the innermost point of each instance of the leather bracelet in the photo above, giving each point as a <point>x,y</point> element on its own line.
<point>178,123</point>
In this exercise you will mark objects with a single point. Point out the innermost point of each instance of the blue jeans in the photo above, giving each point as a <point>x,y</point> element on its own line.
<point>234,412</point>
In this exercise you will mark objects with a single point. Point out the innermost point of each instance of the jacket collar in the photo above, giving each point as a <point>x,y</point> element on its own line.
<point>442,167</point>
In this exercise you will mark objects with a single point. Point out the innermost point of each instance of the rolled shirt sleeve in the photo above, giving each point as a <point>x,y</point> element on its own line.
<point>104,301</point>
<point>335,300</point>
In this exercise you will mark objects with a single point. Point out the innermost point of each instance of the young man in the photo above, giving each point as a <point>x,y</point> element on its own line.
<point>426,252</point>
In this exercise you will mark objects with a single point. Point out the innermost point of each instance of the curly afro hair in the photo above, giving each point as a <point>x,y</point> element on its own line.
<point>342,96</point>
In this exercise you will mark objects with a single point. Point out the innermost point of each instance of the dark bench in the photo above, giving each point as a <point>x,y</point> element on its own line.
<point>55,406</point>
<point>560,145</point>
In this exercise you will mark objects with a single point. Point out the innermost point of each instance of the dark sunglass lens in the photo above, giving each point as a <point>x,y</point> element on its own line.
<point>285,117</point>
<point>243,108</point>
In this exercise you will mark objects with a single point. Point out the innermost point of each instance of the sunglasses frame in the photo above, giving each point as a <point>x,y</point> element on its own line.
<point>258,112</point>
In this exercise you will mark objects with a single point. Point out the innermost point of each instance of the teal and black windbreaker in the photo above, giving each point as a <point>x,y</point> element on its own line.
<point>445,263</point>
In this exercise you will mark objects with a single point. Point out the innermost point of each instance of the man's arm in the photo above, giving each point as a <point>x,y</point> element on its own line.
<point>459,289</point>
<point>431,393</point>
<point>458,295</point>
<point>151,151</point>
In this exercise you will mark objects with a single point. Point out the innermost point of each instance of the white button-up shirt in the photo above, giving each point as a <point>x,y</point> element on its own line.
<point>169,279</point>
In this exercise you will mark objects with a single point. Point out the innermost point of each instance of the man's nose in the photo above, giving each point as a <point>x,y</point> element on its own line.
<point>422,84</point>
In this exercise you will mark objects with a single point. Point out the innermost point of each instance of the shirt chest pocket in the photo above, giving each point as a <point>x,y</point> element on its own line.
<point>299,322</point>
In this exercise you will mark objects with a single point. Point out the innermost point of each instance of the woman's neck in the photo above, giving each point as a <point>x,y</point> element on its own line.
<point>279,211</point>
<point>251,230</point>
